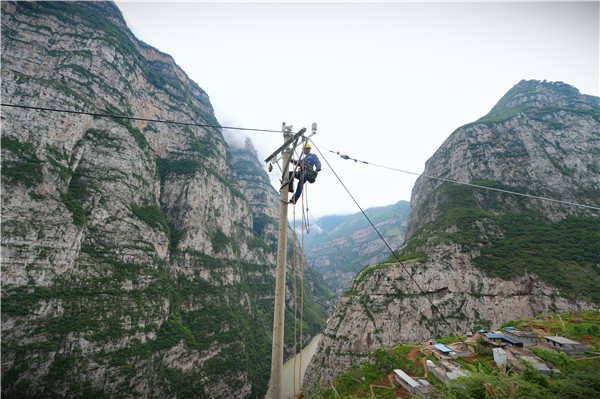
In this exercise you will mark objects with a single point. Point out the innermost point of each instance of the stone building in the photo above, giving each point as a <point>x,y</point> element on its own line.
<point>418,387</point>
<point>566,345</point>
<point>526,337</point>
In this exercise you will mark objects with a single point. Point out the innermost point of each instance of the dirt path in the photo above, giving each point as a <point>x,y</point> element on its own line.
<point>586,358</point>
<point>563,323</point>
<point>412,355</point>
<point>391,386</point>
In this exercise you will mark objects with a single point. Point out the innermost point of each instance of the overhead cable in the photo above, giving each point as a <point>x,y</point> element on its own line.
<point>346,157</point>
<point>137,118</point>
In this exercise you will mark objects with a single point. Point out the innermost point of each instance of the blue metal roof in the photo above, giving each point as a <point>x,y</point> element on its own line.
<point>481,331</point>
<point>512,341</point>
<point>502,336</point>
<point>443,348</point>
<point>509,328</point>
<point>490,335</point>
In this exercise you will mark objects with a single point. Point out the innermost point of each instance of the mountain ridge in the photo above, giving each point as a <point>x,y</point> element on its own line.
<point>352,243</point>
<point>460,238</point>
<point>132,263</point>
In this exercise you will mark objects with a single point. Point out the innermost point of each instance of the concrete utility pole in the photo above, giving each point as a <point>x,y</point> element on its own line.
<point>275,387</point>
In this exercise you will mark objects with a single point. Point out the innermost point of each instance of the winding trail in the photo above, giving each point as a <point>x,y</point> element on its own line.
<point>391,386</point>
<point>563,323</point>
<point>412,355</point>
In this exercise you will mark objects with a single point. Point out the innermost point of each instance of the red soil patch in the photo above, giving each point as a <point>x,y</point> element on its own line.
<point>414,353</point>
<point>401,393</point>
<point>472,357</point>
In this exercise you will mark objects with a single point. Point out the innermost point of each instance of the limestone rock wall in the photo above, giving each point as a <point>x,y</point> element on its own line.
<point>131,263</point>
<point>479,257</point>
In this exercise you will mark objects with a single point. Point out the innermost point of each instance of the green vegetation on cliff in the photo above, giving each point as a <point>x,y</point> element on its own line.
<point>202,316</point>
<point>107,18</point>
<point>23,166</point>
<point>76,193</point>
<point>152,215</point>
<point>524,98</point>
<point>564,254</point>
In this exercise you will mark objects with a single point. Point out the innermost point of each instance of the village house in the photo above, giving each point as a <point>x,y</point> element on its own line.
<point>526,337</point>
<point>534,362</point>
<point>501,339</point>
<point>446,372</point>
<point>419,387</point>
<point>443,350</point>
<point>566,345</point>
<point>500,356</point>
<point>460,349</point>
<point>517,357</point>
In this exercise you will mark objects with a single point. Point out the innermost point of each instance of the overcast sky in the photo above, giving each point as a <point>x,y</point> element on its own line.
<point>386,82</point>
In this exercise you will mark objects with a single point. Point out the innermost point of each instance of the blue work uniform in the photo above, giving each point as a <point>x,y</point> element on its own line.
<point>310,161</point>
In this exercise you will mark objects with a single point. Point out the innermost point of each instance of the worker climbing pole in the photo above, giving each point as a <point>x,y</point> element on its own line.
<point>306,170</point>
<point>283,154</point>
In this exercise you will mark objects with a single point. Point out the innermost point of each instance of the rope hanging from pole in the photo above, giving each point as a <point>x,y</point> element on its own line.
<point>304,199</point>
<point>305,225</point>
<point>295,301</point>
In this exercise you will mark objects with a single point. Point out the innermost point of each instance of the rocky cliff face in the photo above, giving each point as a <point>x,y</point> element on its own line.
<point>475,257</point>
<point>131,260</point>
<point>344,250</point>
<point>256,186</point>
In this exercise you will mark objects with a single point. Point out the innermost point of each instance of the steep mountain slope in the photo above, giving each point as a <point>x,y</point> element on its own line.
<point>358,243</point>
<point>131,265</point>
<point>477,257</point>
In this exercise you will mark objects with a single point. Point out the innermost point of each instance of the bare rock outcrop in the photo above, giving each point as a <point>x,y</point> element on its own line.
<point>131,262</point>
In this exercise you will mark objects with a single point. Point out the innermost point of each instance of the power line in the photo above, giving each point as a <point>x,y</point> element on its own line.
<point>346,157</point>
<point>137,118</point>
<point>433,307</point>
